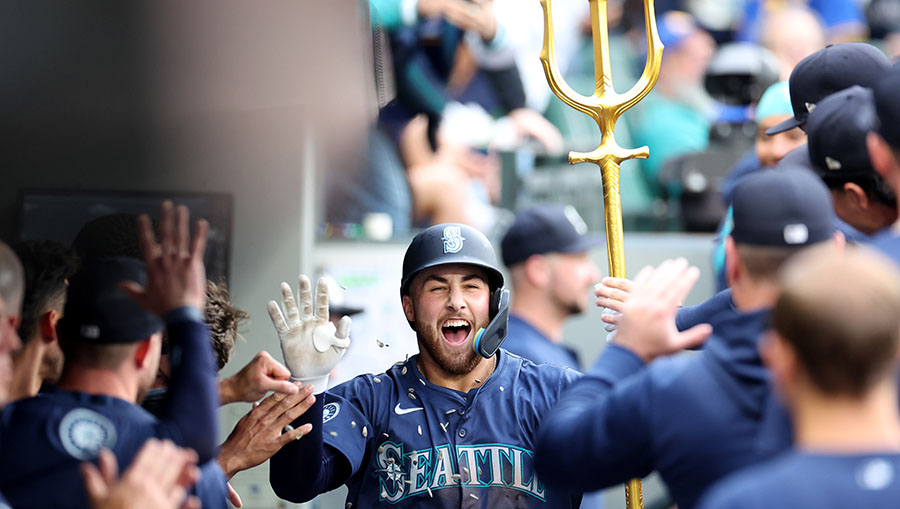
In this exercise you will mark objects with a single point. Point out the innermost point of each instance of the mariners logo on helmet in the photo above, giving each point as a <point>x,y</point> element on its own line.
<point>453,239</point>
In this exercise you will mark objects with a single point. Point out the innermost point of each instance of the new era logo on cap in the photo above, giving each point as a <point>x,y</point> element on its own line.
<point>810,107</point>
<point>575,218</point>
<point>832,164</point>
<point>90,331</point>
<point>796,234</point>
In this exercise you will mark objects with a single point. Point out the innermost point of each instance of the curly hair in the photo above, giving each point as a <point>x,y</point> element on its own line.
<point>224,319</point>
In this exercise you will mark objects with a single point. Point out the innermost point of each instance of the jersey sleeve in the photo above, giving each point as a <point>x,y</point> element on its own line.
<point>352,411</point>
<point>336,447</point>
<point>193,402</point>
<point>609,418</point>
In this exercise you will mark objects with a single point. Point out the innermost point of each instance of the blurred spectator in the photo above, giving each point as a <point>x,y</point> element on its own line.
<point>843,19</point>
<point>48,266</point>
<point>675,118</point>
<point>792,33</point>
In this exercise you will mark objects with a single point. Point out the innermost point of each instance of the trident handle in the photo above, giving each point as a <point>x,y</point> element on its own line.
<point>605,106</point>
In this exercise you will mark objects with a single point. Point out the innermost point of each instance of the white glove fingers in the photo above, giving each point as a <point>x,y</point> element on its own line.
<point>343,330</point>
<point>305,297</point>
<point>322,301</point>
<point>277,318</point>
<point>290,305</point>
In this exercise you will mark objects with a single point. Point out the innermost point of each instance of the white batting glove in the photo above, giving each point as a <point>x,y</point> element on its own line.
<point>311,344</point>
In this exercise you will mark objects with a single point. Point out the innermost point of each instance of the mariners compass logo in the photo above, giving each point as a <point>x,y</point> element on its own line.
<point>453,239</point>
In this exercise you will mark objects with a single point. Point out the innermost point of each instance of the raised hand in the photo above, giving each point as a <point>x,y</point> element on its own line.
<point>311,344</point>
<point>611,295</point>
<point>260,433</point>
<point>648,315</point>
<point>159,477</point>
<point>176,276</point>
<point>253,381</point>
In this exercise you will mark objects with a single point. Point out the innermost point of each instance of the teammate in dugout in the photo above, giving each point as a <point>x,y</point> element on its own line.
<point>453,426</point>
<point>111,344</point>
<point>697,418</point>
<point>833,358</point>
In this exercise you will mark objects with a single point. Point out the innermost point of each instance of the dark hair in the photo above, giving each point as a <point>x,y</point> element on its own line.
<point>224,319</point>
<point>841,314</point>
<point>47,265</point>
<point>873,185</point>
<point>112,235</point>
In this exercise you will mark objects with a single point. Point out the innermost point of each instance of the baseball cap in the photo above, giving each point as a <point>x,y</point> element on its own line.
<point>548,228</point>
<point>785,207</point>
<point>829,70</point>
<point>887,107</point>
<point>674,27</point>
<point>837,132</point>
<point>97,311</point>
<point>775,101</point>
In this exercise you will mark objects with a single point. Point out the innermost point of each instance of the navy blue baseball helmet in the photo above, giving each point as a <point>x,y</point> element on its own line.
<point>446,243</point>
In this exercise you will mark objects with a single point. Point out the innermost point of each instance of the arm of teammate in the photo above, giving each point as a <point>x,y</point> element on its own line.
<point>261,433</point>
<point>610,413</point>
<point>311,346</point>
<point>176,290</point>
<point>255,380</point>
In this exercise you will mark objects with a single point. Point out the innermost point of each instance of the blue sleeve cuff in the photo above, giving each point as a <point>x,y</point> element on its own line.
<point>183,314</point>
<point>615,363</point>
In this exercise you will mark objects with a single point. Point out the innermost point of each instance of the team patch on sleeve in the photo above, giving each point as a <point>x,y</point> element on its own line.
<point>84,432</point>
<point>330,412</point>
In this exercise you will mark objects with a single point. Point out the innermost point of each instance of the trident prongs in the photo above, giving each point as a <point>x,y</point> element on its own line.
<point>605,106</point>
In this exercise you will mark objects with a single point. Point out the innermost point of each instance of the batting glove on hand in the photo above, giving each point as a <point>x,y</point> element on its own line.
<point>311,344</point>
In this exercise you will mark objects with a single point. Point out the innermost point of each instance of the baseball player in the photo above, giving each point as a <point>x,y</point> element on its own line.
<point>453,426</point>
<point>546,250</point>
<point>695,418</point>
<point>111,341</point>
<point>884,149</point>
<point>832,355</point>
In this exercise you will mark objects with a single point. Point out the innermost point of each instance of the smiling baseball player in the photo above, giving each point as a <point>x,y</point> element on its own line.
<point>450,427</point>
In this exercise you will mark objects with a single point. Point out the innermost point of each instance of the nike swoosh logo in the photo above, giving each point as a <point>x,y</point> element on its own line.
<point>404,411</point>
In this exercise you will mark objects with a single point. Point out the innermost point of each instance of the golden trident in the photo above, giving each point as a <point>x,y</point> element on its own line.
<point>605,107</point>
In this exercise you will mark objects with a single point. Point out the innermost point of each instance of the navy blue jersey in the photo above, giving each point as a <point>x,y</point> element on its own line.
<point>889,244</point>
<point>694,418</point>
<point>799,479</point>
<point>527,342</point>
<point>43,439</point>
<point>411,443</point>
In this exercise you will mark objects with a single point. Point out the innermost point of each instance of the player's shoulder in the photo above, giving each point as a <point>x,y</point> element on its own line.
<point>526,370</point>
<point>753,486</point>
<point>376,384</point>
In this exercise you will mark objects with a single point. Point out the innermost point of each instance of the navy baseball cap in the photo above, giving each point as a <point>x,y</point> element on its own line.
<point>546,229</point>
<point>887,107</point>
<point>97,311</point>
<point>785,207</point>
<point>830,70</point>
<point>837,132</point>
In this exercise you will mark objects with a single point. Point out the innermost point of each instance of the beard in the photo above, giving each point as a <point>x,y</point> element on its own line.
<point>455,362</point>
